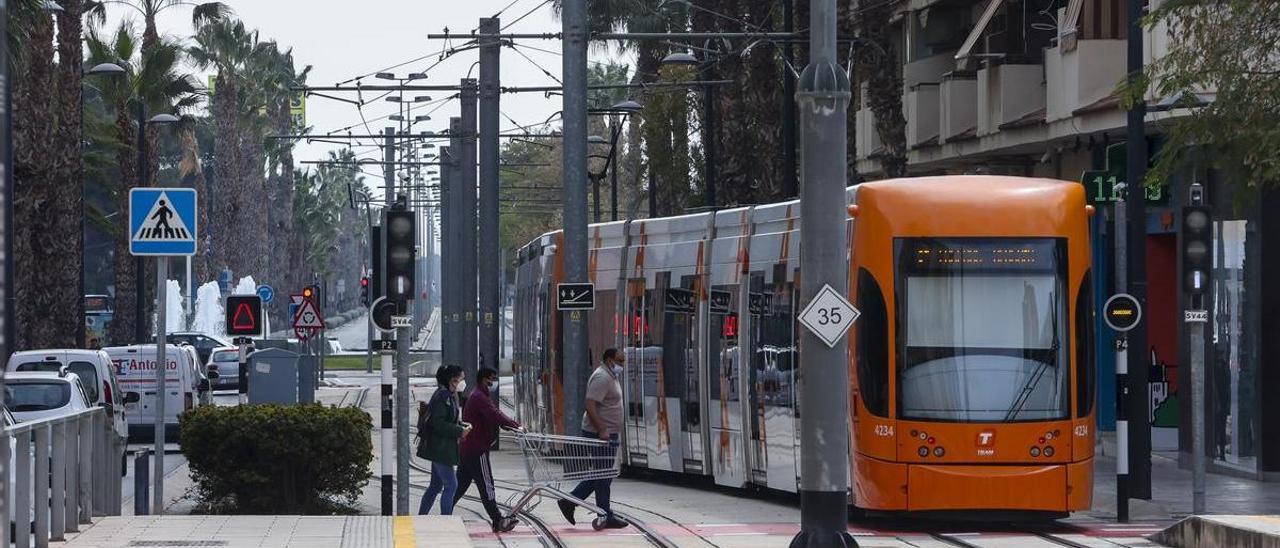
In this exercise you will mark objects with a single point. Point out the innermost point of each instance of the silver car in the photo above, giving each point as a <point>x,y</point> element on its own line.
<point>226,361</point>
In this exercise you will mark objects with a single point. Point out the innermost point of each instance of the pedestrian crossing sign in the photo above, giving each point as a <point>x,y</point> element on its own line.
<point>162,221</point>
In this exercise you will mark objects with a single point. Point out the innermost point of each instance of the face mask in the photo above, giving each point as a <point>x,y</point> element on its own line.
<point>462,385</point>
<point>617,370</point>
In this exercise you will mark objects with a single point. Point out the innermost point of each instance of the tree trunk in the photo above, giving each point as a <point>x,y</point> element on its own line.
<point>224,251</point>
<point>191,171</point>
<point>35,211</point>
<point>122,327</point>
<point>255,232</point>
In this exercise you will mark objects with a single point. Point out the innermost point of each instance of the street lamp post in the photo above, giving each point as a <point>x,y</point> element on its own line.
<point>705,69</point>
<point>104,69</point>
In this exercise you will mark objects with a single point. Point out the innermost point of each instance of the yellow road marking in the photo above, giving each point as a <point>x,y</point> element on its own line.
<point>402,532</point>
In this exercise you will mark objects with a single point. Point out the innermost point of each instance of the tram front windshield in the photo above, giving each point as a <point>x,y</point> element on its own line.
<point>981,330</point>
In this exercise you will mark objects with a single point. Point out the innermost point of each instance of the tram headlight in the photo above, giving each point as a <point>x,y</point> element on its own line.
<point>922,451</point>
<point>1048,451</point>
<point>1035,451</point>
<point>939,451</point>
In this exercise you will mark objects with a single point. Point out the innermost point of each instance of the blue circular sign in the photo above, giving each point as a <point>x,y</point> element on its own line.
<point>266,293</point>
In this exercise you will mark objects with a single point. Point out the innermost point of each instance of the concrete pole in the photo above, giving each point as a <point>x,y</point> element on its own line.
<point>447,257</point>
<point>467,232</point>
<point>490,322</point>
<point>1122,372</point>
<point>824,420</point>
<point>404,337</point>
<point>573,17</point>
<point>162,275</point>
<point>1135,173</point>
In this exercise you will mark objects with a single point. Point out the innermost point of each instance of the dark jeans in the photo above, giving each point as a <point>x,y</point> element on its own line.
<point>600,487</point>
<point>478,469</point>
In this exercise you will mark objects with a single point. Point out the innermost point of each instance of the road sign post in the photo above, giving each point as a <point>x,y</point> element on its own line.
<point>243,320</point>
<point>1122,312</point>
<point>162,223</point>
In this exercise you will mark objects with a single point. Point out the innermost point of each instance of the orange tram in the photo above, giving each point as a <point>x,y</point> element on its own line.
<point>972,371</point>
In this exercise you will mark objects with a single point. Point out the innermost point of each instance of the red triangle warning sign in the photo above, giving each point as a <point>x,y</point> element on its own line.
<point>243,318</point>
<point>308,316</point>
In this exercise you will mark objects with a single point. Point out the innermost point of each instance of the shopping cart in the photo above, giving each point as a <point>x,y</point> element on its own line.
<point>551,460</point>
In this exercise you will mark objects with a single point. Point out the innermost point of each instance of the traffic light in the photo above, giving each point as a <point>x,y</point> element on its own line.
<point>309,292</point>
<point>364,290</point>
<point>1196,243</point>
<point>243,314</point>
<point>401,244</point>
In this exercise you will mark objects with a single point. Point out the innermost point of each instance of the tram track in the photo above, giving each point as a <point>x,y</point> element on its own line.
<point>545,533</point>
<point>960,540</point>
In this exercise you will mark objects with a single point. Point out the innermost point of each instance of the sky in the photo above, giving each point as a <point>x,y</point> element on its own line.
<point>344,40</point>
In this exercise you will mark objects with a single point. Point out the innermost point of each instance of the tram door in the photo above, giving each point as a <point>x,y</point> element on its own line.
<point>757,307</point>
<point>724,375</point>
<point>681,376</point>
<point>641,372</point>
<point>777,356</point>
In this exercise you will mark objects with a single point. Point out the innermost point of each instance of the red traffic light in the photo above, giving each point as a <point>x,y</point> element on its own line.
<point>364,282</point>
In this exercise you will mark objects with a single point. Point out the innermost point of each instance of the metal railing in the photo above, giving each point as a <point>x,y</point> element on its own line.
<point>66,471</point>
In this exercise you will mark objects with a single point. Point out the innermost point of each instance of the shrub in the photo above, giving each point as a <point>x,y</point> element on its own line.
<point>277,459</point>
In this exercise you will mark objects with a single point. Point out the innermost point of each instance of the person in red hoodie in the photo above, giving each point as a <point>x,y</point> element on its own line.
<point>483,415</point>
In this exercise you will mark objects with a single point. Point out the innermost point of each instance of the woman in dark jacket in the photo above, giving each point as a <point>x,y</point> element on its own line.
<point>440,428</point>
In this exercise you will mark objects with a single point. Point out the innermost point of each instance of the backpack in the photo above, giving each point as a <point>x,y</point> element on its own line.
<point>424,429</point>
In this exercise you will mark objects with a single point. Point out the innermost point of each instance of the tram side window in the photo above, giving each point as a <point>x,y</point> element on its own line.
<point>873,345</point>
<point>774,345</point>
<point>603,325</point>
<point>1086,362</point>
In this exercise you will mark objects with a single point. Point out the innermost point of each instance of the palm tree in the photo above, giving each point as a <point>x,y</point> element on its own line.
<point>156,82</point>
<point>201,13</point>
<point>36,215</point>
<point>223,45</point>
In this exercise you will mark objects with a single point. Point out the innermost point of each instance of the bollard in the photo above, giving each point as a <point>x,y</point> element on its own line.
<point>42,486</point>
<point>141,485</point>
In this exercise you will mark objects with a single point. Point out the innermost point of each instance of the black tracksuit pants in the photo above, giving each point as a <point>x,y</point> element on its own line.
<point>478,469</point>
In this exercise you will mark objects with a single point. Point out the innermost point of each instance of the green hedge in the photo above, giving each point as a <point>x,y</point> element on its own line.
<point>277,459</point>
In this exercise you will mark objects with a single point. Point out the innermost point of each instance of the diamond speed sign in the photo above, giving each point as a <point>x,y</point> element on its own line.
<point>829,315</point>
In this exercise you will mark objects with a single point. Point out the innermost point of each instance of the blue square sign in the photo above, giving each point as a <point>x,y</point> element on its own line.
<point>162,221</point>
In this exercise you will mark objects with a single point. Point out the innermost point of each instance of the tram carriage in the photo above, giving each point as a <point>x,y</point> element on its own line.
<point>971,367</point>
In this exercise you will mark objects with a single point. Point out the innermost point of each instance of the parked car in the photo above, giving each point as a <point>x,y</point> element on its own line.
<point>226,362</point>
<point>95,370</point>
<point>39,395</point>
<point>203,342</point>
<point>136,367</point>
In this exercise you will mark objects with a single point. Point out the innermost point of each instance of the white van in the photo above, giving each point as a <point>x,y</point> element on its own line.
<point>95,370</point>
<point>136,368</point>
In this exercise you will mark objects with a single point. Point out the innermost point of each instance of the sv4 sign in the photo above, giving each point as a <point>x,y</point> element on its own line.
<point>829,315</point>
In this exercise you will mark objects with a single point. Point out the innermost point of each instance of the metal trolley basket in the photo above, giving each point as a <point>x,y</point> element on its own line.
<point>551,460</point>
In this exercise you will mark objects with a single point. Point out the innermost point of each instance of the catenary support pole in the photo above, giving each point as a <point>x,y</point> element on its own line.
<point>490,91</point>
<point>824,430</point>
<point>447,257</point>
<point>467,204</point>
<point>788,103</point>
<point>1135,175</point>
<point>573,19</point>
<point>162,389</point>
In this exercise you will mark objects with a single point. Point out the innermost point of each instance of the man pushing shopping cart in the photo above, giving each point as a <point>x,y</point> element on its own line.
<point>592,460</point>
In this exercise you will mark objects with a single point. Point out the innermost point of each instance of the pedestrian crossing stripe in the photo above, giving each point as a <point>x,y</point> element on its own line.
<point>162,221</point>
<point>162,224</point>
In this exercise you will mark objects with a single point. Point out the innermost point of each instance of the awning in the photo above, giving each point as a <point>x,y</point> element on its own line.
<point>966,50</point>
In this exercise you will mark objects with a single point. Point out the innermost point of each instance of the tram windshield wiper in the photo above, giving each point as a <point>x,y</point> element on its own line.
<point>1041,365</point>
